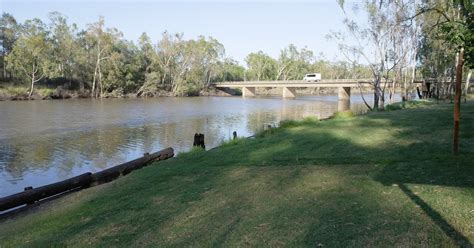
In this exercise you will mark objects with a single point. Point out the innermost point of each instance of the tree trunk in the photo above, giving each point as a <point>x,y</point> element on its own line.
<point>466,86</point>
<point>376,93</point>
<point>382,102</point>
<point>100,83</point>
<point>413,72</point>
<point>376,100</point>
<point>93,82</point>
<point>32,85</point>
<point>457,101</point>
<point>4,76</point>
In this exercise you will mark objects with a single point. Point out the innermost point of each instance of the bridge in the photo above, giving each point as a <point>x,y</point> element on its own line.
<point>289,87</point>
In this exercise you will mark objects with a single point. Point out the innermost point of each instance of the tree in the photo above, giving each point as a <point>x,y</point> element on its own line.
<point>231,71</point>
<point>294,64</point>
<point>8,35</point>
<point>376,43</point>
<point>261,66</point>
<point>101,42</point>
<point>170,53</point>
<point>64,46</point>
<point>454,27</point>
<point>30,54</point>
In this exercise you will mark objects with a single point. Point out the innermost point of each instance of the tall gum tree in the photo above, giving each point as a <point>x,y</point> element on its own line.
<point>30,54</point>
<point>65,48</point>
<point>375,43</point>
<point>8,34</point>
<point>261,66</point>
<point>101,45</point>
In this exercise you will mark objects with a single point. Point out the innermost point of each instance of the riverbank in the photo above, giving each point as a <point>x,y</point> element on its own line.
<point>17,93</point>
<point>382,179</point>
<point>10,91</point>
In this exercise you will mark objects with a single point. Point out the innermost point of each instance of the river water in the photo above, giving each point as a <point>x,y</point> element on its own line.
<point>42,142</point>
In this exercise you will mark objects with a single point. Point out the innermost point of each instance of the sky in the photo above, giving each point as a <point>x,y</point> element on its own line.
<point>241,26</point>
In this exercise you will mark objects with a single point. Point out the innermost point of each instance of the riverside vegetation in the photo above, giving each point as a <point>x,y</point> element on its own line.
<point>411,39</point>
<point>376,180</point>
<point>99,62</point>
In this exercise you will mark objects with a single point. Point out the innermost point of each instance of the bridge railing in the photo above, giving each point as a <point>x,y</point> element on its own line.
<point>335,81</point>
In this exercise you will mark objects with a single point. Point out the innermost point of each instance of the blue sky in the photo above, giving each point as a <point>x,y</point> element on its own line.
<point>242,26</point>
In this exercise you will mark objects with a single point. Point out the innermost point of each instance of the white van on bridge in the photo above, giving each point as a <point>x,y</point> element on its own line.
<point>312,77</point>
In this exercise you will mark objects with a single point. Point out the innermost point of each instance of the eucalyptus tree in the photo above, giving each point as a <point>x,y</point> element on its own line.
<point>211,53</point>
<point>30,55</point>
<point>65,48</point>
<point>150,68</point>
<point>100,42</point>
<point>230,70</point>
<point>206,56</point>
<point>84,61</point>
<point>146,53</point>
<point>261,66</point>
<point>122,70</point>
<point>374,44</point>
<point>436,56</point>
<point>453,27</point>
<point>294,64</point>
<point>170,50</point>
<point>404,35</point>
<point>9,29</point>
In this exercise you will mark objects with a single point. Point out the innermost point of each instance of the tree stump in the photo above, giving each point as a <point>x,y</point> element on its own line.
<point>199,140</point>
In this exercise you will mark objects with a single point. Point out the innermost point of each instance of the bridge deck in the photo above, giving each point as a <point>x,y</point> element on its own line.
<point>297,83</point>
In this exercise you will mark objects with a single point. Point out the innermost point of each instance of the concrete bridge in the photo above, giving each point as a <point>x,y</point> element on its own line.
<point>289,87</point>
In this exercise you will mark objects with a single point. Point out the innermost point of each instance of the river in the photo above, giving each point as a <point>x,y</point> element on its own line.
<point>42,142</point>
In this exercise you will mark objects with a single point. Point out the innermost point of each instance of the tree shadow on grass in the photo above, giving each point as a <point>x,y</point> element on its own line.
<point>426,162</point>
<point>449,230</point>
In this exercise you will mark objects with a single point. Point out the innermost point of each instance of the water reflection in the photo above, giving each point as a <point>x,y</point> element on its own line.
<point>46,141</point>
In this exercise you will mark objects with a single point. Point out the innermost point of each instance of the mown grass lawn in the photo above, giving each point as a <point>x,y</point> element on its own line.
<point>379,180</point>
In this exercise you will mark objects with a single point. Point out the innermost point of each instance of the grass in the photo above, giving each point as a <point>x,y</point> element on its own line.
<point>45,91</point>
<point>406,105</point>
<point>9,90</point>
<point>384,179</point>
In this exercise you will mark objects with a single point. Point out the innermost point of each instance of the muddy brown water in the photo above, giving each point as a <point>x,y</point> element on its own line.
<point>43,142</point>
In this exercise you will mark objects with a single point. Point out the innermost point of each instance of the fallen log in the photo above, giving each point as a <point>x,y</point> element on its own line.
<point>112,173</point>
<point>31,195</point>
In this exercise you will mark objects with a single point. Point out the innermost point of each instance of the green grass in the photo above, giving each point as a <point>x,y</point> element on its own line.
<point>45,91</point>
<point>384,179</point>
<point>405,105</point>
<point>10,90</point>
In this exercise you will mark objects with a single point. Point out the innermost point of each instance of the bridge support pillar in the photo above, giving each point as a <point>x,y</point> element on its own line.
<point>289,92</point>
<point>248,91</point>
<point>344,99</point>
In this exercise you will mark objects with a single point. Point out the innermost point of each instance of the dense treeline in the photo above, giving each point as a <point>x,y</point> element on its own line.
<point>99,61</point>
<point>401,41</point>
